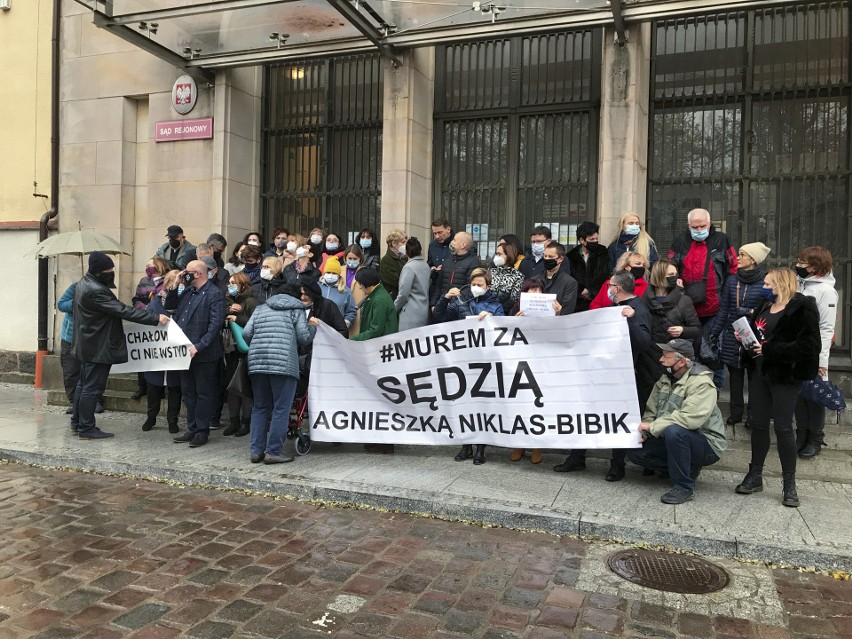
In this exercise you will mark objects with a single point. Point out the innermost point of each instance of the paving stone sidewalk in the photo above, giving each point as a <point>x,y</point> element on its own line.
<point>103,557</point>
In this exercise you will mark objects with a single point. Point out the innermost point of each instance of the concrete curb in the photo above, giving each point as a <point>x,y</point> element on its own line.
<point>455,508</point>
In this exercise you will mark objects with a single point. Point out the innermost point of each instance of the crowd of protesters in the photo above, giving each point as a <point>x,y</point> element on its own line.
<point>680,310</point>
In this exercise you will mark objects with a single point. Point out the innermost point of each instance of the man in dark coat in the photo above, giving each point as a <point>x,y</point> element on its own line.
<point>622,288</point>
<point>200,313</point>
<point>556,280</point>
<point>178,251</point>
<point>98,341</point>
<point>589,264</point>
<point>439,248</point>
<point>456,267</point>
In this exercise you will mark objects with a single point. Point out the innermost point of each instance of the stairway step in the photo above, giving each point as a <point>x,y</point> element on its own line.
<point>14,377</point>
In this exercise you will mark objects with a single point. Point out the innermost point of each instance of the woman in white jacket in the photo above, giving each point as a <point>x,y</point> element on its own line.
<point>815,279</point>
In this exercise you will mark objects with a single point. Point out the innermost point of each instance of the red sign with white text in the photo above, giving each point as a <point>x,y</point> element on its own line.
<point>175,130</point>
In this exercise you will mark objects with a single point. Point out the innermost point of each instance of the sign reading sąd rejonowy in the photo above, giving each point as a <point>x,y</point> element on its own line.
<point>519,382</point>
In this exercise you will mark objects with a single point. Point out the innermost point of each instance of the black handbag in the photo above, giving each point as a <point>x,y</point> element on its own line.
<point>240,383</point>
<point>823,393</point>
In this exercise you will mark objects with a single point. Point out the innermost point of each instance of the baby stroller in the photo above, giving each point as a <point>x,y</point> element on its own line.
<point>299,409</point>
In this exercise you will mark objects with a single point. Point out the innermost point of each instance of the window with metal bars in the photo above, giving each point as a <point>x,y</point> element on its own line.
<point>750,119</point>
<point>516,134</point>
<point>322,145</point>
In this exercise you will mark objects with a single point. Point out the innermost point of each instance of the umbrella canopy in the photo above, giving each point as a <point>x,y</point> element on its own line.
<point>76,243</point>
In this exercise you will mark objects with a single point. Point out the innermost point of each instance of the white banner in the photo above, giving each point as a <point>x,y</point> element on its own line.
<point>154,348</point>
<point>519,382</point>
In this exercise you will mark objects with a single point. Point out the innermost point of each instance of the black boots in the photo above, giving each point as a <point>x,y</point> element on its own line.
<point>753,481</point>
<point>173,426</point>
<point>149,423</point>
<point>479,454</point>
<point>245,428</point>
<point>465,453</point>
<point>232,428</point>
<point>790,498</point>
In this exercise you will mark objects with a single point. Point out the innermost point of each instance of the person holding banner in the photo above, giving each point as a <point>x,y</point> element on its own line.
<point>275,333</point>
<point>556,280</point>
<point>474,300</point>
<point>506,280</point>
<point>99,339</point>
<point>682,426</point>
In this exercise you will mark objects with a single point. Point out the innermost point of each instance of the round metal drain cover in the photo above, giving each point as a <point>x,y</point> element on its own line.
<point>668,571</point>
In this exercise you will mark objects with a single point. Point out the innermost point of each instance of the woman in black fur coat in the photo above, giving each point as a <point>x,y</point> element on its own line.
<point>786,325</point>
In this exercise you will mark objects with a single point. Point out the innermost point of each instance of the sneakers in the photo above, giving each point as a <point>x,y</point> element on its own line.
<point>95,433</point>
<point>277,459</point>
<point>677,495</point>
<point>256,458</point>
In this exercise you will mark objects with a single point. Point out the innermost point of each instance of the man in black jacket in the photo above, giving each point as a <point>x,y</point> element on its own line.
<point>456,268</point>
<point>556,280</point>
<point>99,339</point>
<point>589,264</point>
<point>621,292</point>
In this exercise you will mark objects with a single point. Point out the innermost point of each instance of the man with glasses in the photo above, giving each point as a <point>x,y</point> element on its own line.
<point>200,313</point>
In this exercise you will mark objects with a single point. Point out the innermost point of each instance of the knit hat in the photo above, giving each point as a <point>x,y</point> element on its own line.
<point>99,262</point>
<point>332,266</point>
<point>367,277</point>
<point>756,251</point>
<point>310,285</point>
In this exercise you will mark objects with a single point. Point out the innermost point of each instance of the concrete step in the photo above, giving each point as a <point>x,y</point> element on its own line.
<point>113,400</point>
<point>122,383</point>
<point>14,377</point>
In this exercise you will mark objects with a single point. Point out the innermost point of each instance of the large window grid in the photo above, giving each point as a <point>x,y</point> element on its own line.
<point>516,134</point>
<point>322,145</point>
<point>750,119</point>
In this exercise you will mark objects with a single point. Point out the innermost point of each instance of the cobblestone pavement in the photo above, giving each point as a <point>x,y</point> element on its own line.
<point>106,557</point>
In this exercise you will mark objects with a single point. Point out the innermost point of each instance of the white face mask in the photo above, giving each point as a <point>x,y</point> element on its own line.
<point>499,260</point>
<point>265,274</point>
<point>316,238</point>
<point>253,243</point>
<point>538,248</point>
<point>610,294</point>
<point>477,291</point>
<point>291,246</point>
<point>331,278</point>
<point>301,252</point>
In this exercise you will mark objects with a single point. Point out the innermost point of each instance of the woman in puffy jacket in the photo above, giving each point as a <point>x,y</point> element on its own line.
<point>740,295</point>
<point>274,334</point>
<point>477,299</point>
<point>815,279</point>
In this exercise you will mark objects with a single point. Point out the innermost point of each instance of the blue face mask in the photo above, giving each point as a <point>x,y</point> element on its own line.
<point>181,289</point>
<point>767,293</point>
<point>631,229</point>
<point>365,242</point>
<point>233,290</point>
<point>352,264</point>
<point>699,236</point>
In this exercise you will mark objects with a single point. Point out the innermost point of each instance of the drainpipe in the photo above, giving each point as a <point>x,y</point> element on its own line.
<point>43,279</point>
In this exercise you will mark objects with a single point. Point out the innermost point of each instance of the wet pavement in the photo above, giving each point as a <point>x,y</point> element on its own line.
<point>87,555</point>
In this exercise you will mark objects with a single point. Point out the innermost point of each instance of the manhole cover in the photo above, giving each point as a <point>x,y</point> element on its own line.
<point>668,572</point>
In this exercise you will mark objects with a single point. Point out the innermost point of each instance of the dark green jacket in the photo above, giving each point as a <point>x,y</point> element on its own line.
<point>389,269</point>
<point>378,315</point>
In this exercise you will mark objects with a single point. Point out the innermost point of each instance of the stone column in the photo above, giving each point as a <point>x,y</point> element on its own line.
<point>407,145</point>
<point>623,178</point>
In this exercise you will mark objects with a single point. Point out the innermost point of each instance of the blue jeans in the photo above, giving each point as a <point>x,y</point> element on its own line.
<point>677,451</point>
<point>273,396</point>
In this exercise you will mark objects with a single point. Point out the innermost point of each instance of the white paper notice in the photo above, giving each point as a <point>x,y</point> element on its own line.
<point>538,304</point>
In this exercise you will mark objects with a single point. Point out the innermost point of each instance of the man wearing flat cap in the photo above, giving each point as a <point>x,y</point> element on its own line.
<point>99,339</point>
<point>682,426</point>
<point>177,251</point>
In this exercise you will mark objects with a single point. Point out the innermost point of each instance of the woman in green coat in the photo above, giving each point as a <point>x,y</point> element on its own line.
<point>391,264</point>
<point>378,315</point>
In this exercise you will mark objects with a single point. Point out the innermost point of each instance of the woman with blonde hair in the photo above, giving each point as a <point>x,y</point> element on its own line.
<point>271,279</point>
<point>637,265</point>
<point>633,238</point>
<point>391,264</point>
<point>786,354</point>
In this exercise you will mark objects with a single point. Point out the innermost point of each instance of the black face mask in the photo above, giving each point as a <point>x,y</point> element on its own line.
<point>107,279</point>
<point>802,272</point>
<point>671,280</point>
<point>550,263</point>
<point>175,244</point>
<point>188,278</point>
<point>590,246</point>
<point>637,272</point>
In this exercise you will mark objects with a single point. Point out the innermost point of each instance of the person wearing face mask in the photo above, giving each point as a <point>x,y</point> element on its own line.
<point>787,353</point>
<point>218,278</point>
<point>333,288</point>
<point>276,248</point>
<point>682,427</point>
<point>98,340</point>
<point>146,289</point>
<point>177,251</point>
<point>316,245</point>
<point>456,268</point>
<point>271,280</point>
<point>589,264</point>
<point>236,263</point>
<point>815,279</point>
<point>633,263</point>
<point>301,266</point>
<point>622,292</point>
<point>412,301</point>
<point>474,300</point>
<point>252,257</point>
<point>506,280</point>
<point>253,238</point>
<point>514,240</point>
<point>632,239</point>
<point>331,250</point>
<point>240,304</point>
<point>557,281</point>
<point>740,295</point>
<point>391,264</point>
<point>369,244</point>
<point>532,265</point>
